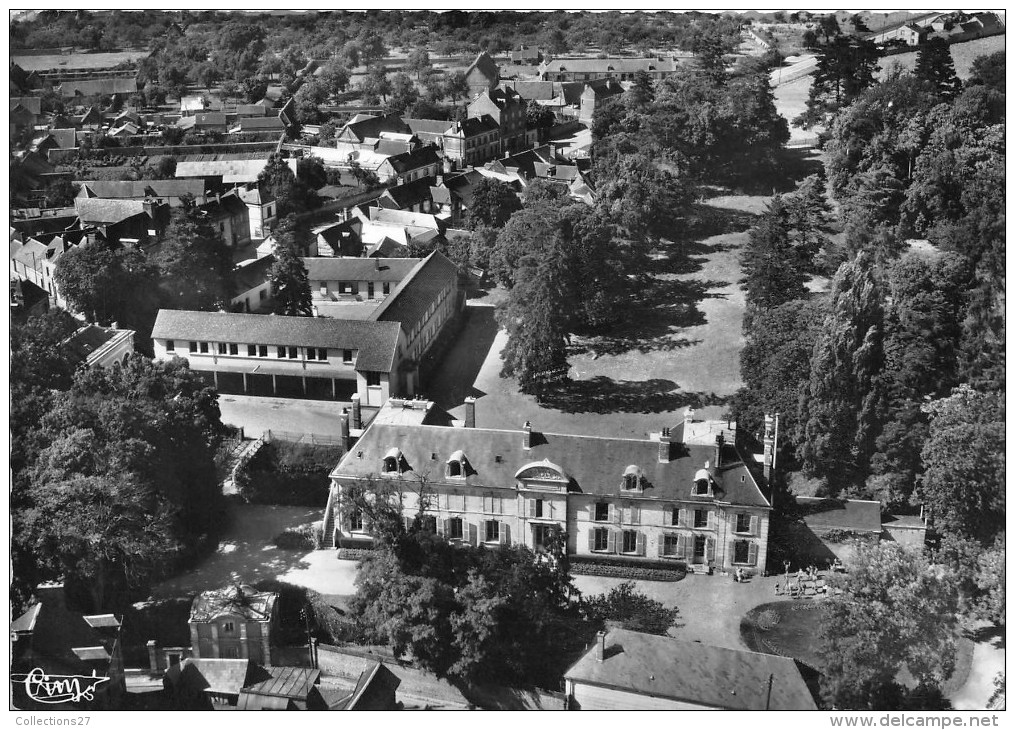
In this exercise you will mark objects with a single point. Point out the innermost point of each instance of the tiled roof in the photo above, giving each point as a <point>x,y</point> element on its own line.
<point>250,110</point>
<point>234,600</point>
<point>376,341</point>
<point>105,211</point>
<point>323,268</point>
<point>417,291</point>
<point>408,194</point>
<point>294,682</point>
<point>31,103</point>
<point>140,189</point>
<point>224,206</point>
<point>476,125</point>
<point>603,88</point>
<point>65,138</point>
<point>221,676</point>
<point>391,147</point>
<point>256,124</point>
<point>95,87</point>
<point>662,666</point>
<point>374,126</point>
<point>595,465</point>
<point>90,339</point>
<point>236,170</point>
<point>209,119</point>
<point>428,126</point>
<point>840,514</point>
<point>252,275</point>
<point>485,65</point>
<point>611,65</point>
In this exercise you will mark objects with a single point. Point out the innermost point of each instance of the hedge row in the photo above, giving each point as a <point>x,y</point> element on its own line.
<point>618,569</point>
<point>354,553</point>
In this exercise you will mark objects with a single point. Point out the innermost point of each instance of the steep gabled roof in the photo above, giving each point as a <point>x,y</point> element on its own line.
<point>103,211</point>
<point>407,161</point>
<point>372,127</point>
<point>486,66</point>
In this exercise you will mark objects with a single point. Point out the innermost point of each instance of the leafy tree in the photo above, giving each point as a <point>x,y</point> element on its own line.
<point>290,287</point>
<point>403,94</point>
<point>308,99</point>
<point>254,88</point>
<point>418,61</point>
<point>642,91</point>
<point>839,413</point>
<point>371,46</point>
<point>364,178</point>
<point>291,195</point>
<point>965,447</point>
<point>934,65</point>
<point>195,266</point>
<point>634,611</point>
<point>456,86</point>
<point>990,582</point>
<point>895,611</point>
<point>107,284</point>
<point>988,71</point>
<point>60,193</point>
<point>376,83</point>
<point>774,269</point>
<point>537,116</point>
<point>845,67</point>
<point>493,203</point>
<point>711,39</point>
<point>335,76</point>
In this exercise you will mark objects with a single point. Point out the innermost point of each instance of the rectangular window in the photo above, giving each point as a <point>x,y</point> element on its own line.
<point>228,627</point>
<point>539,508</point>
<point>347,357</point>
<point>455,531</point>
<point>492,531</point>
<point>370,290</point>
<point>222,348</point>
<point>386,288</point>
<point>193,347</point>
<point>602,512</point>
<point>701,518</point>
<point>262,351</point>
<point>671,545</point>
<point>374,380</point>
<point>311,353</point>
<point>356,521</point>
<point>675,516</point>
<point>294,353</point>
<point>170,346</point>
<point>262,295</point>
<point>234,349</point>
<point>743,522</point>
<point>203,346</point>
<point>741,551</point>
<point>281,351</point>
<point>630,541</point>
<point>322,353</point>
<point>251,350</point>
<point>601,539</point>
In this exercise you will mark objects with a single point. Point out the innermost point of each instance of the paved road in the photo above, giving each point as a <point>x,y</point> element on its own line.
<point>257,414</point>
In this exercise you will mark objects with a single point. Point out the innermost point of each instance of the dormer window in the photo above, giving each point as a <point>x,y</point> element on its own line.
<point>702,483</point>
<point>458,465</point>
<point>393,461</point>
<point>632,479</point>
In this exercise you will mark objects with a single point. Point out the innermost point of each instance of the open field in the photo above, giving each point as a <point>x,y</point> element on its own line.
<point>963,54</point>
<point>76,61</point>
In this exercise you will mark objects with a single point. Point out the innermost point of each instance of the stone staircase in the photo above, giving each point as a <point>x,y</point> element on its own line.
<point>241,453</point>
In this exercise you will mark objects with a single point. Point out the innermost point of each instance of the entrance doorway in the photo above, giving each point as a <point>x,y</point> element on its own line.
<point>699,548</point>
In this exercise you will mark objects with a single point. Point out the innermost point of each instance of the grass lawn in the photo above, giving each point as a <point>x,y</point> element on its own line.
<point>963,55</point>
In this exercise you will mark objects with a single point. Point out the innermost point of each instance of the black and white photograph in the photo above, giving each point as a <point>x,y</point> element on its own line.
<point>507,359</point>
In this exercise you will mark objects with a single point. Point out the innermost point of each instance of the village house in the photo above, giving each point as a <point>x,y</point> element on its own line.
<point>525,55</point>
<point>139,221</point>
<point>404,167</point>
<point>98,87</point>
<point>366,126</point>
<point>230,216</point>
<point>226,170</point>
<point>27,300</point>
<point>630,670</point>
<point>336,280</point>
<point>171,192</point>
<point>621,69</point>
<point>508,110</point>
<point>326,359</point>
<point>96,346</point>
<point>252,285</point>
<point>24,113</point>
<point>671,497</point>
<point>35,258</point>
<point>235,622</point>
<point>203,122</point>
<point>59,640</point>
<point>262,127</point>
<point>482,75</point>
<point>262,213</point>
<point>595,94</point>
<point>471,141</point>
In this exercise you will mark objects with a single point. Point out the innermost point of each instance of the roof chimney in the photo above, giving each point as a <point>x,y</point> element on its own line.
<point>600,646</point>
<point>344,425</point>
<point>527,437</point>
<point>770,438</point>
<point>357,412</point>
<point>470,412</point>
<point>719,441</point>
<point>664,446</point>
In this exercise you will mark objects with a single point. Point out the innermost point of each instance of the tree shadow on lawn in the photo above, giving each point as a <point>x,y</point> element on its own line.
<point>452,380</point>
<point>606,395</point>
<point>651,323</point>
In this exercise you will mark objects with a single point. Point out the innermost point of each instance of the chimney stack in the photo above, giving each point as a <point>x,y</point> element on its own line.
<point>770,437</point>
<point>357,412</point>
<point>153,659</point>
<point>51,595</point>
<point>600,646</point>
<point>346,440</point>
<point>719,441</point>
<point>470,412</point>
<point>664,446</point>
<point>527,437</point>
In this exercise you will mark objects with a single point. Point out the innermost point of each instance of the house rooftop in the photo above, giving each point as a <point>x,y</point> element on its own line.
<point>592,465</point>
<point>91,342</point>
<point>234,600</point>
<point>690,671</point>
<point>840,514</point>
<point>325,268</point>
<point>409,302</point>
<point>139,189</point>
<point>104,211</point>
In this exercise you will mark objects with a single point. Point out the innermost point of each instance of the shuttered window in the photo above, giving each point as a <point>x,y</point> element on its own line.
<point>743,522</point>
<point>701,518</point>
